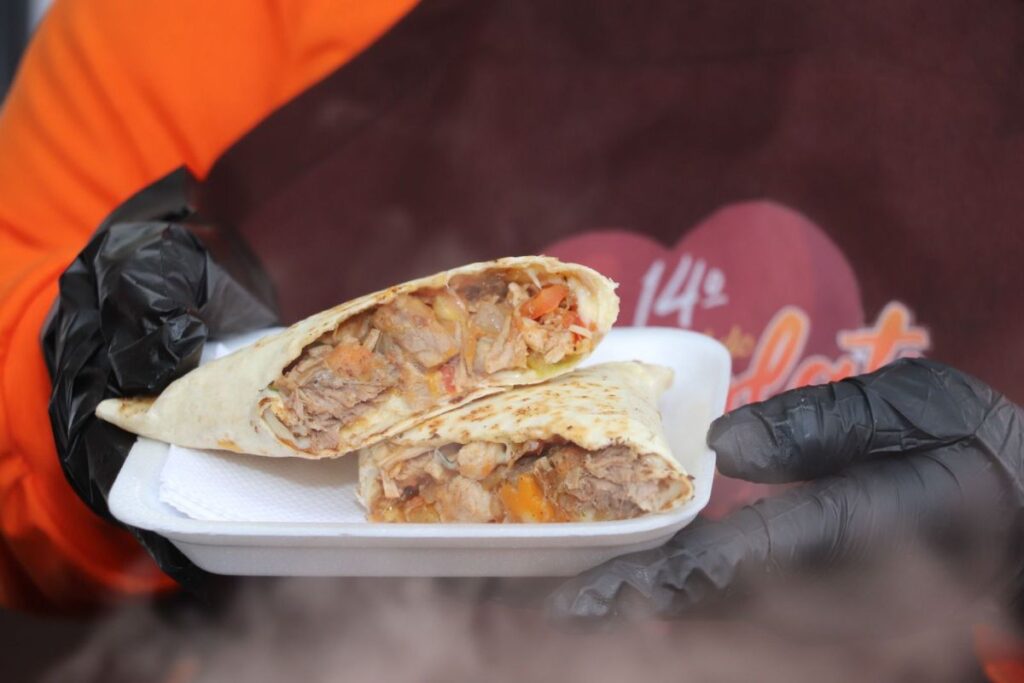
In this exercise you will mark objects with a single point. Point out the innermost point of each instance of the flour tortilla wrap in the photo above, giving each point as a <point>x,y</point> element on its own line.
<point>269,398</point>
<point>588,445</point>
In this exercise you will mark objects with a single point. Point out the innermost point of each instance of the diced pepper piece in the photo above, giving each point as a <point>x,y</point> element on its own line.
<point>524,500</point>
<point>545,301</point>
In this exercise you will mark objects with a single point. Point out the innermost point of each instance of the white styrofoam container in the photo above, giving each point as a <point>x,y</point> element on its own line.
<point>361,548</point>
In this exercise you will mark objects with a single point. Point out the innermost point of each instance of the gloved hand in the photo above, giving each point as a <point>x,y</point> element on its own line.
<point>915,453</point>
<point>132,315</point>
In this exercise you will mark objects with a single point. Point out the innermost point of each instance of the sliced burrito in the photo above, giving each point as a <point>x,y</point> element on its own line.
<point>587,446</point>
<point>369,368</point>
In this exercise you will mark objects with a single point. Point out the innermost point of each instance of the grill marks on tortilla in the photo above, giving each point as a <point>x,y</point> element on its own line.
<point>429,347</point>
<point>536,481</point>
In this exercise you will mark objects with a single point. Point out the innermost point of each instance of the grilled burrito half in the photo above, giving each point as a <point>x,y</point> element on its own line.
<point>376,365</point>
<point>587,446</point>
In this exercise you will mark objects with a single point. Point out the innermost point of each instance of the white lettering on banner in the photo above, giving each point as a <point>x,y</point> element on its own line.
<point>690,284</point>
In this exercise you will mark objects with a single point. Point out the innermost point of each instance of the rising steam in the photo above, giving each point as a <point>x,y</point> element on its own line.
<point>901,619</point>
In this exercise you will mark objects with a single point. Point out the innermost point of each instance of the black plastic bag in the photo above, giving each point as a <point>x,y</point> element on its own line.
<point>133,313</point>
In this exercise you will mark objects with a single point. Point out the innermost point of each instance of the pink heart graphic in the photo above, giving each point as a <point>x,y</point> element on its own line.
<point>737,268</point>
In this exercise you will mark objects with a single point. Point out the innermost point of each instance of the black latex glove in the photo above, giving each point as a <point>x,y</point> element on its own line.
<point>914,453</point>
<point>133,313</point>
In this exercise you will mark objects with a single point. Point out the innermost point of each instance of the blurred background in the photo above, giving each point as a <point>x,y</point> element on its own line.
<point>17,19</point>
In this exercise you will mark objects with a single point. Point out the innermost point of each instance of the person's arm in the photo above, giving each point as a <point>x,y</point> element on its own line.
<point>111,96</point>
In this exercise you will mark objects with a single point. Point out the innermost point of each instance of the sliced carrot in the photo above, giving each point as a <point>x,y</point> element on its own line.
<point>546,301</point>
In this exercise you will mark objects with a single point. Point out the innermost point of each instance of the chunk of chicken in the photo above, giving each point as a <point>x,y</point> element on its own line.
<point>478,459</point>
<point>552,343</point>
<point>507,351</point>
<point>464,500</point>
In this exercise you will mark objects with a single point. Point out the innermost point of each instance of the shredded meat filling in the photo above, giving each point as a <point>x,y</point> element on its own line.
<point>530,482</point>
<point>411,323</point>
<point>333,384</point>
<point>426,346</point>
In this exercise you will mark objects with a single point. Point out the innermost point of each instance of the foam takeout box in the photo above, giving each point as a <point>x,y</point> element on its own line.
<point>355,547</point>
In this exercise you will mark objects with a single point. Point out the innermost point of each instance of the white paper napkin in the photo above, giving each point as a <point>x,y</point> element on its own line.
<point>220,486</point>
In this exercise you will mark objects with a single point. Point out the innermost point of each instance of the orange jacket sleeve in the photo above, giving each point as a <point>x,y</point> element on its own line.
<point>111,95</point>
